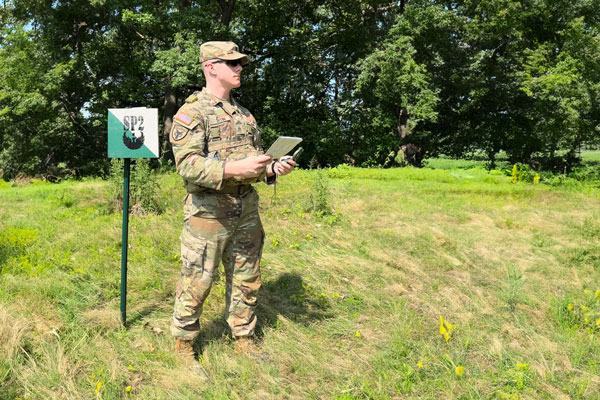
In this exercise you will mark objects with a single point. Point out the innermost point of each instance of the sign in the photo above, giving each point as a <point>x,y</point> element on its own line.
<point>133,132</point>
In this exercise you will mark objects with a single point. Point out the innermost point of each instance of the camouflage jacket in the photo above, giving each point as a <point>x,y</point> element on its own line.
<point>206,133</point>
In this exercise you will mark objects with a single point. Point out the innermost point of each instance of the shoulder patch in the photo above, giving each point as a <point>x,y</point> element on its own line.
<point>191,98</point>
<point>179,134</point>
<point>184,118</point>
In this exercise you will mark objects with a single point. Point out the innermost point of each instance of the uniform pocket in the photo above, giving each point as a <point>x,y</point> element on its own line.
<point>225,127</point>
<point>195,280</point>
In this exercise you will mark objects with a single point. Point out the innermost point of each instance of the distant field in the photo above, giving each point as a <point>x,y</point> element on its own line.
<point>351,301</point>
<point>591,156</point>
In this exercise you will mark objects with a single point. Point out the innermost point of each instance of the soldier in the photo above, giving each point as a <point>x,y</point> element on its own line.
<point>216,144</point>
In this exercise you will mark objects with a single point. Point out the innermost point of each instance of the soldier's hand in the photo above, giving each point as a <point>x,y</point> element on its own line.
<point>250,167</point>
<point>284,166</point>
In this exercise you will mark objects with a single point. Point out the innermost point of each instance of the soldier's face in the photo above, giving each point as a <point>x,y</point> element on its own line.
<point>229,75</point>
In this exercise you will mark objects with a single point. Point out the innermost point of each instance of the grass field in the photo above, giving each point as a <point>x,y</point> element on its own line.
<point>591,156</point>
<point>351,303</point>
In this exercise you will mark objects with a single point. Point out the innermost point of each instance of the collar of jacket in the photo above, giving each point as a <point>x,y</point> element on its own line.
<point>230,107</point>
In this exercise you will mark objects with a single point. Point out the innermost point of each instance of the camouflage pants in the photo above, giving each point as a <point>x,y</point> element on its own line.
<point>219,228</point>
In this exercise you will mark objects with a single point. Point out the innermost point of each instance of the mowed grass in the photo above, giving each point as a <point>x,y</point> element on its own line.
<point>351,301</point>
<point>591,156</point>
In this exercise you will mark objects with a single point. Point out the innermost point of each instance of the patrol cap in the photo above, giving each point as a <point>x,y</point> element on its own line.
<point>221,50</point>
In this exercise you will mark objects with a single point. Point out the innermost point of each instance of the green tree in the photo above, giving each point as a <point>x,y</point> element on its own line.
<point>356,80</point>
<point>394,94</point>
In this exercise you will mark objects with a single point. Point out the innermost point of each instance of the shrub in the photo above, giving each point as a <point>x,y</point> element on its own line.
<point>342,171</point>
<point>522,173</point>
<point>144,190</point>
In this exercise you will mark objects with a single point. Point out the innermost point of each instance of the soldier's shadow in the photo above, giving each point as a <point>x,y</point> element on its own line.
<point>291,298</point>
<point>287,297</point>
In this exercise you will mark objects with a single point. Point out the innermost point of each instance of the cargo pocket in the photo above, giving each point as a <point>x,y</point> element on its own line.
<point>193,283</point>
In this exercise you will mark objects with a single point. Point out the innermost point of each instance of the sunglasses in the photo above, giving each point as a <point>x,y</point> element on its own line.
<point>230,63</point>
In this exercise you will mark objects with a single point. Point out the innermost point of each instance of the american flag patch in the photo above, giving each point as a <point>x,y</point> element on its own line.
<point>183,118</point>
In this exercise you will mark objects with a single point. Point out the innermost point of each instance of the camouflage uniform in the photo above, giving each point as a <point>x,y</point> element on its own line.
<point>221,220</point>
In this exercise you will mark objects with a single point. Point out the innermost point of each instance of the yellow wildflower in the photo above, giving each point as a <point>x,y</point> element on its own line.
<point>515,174</point>
<point>570,307</point>
<point>445,328</point>
<point>357,334</point>
<point>598,322</point>
<point>128,389</point>
<point>597,295</point>
<point>460,370</point>
<point>522,365</point>
<point>130,367</point>
<point>98,387</point>
<point>420,364</point>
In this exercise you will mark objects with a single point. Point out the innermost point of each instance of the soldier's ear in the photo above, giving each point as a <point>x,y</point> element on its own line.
<point>212,70</point>
<point>208,68</point>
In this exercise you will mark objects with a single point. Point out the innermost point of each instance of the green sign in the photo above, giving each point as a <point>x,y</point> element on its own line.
<point>133,133</point>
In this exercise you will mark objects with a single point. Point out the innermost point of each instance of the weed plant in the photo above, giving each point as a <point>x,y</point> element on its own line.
<point>144,190</point>
<point>318,201</point>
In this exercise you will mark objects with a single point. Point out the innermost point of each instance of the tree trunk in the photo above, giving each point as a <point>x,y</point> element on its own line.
<point>335,76</point>
<point>402,123</point>
<point>411,154</point>
<point>491,155</point>
<point>170,109</point>
<point>226,11</point>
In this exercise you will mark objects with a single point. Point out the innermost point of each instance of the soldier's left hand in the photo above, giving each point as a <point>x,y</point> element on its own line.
<point>284,167</point>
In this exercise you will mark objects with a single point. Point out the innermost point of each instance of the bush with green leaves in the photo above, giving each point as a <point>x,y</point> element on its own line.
<point>522,173</point>
<point>144,190</point>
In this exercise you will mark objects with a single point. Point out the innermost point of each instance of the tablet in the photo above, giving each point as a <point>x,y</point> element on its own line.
<point>282,146</point>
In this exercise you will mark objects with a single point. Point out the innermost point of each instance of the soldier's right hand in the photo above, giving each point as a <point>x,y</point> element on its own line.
<point>249,167</point>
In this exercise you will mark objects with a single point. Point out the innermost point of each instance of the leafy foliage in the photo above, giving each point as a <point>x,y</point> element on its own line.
<point>357,81</point>
<point>144,191</point>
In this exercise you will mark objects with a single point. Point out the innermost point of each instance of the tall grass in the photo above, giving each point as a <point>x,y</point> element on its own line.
<point>351,300</point>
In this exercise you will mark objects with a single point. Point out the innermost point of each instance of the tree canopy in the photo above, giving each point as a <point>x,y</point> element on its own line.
<point>357,80</point>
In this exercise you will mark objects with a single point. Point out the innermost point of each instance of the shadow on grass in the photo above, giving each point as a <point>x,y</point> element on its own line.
<point>291,298</point>
<point>160,301</point>
<point>287,296</point>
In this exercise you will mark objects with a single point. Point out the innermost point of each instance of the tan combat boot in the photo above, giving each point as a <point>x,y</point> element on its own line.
<point>245,346</point>
<point>185,349</point>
